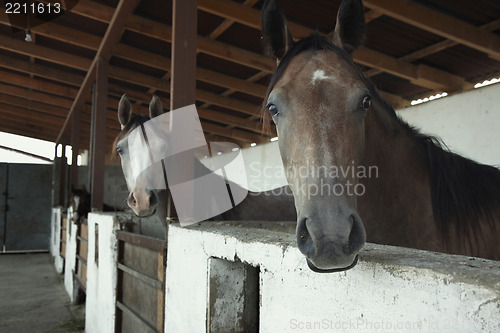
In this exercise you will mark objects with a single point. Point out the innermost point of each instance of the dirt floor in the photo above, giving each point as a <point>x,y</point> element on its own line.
<point>33,299</point>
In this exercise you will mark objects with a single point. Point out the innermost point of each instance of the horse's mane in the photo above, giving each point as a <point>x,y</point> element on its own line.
<point>463,192</point>
<point>135,121</point>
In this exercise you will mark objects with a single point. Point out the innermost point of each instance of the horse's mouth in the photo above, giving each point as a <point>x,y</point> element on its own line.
<point>333,270</point>
<point>147,214</point>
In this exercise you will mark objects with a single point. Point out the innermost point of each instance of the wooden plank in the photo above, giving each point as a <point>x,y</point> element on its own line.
<point>84,231</point>
<point>431,78</point>
<point>81,239</point>
<point>83,251</point>
<point>44,53</point>
<point>439,24</point>
<point>138,275</point>
<point>37,84</point>
<point>141,240</point>
<point>160,318</point>
<point>81,259</point>
<point>146,328</point>
<point>248,16</point>
<point>434,48</point>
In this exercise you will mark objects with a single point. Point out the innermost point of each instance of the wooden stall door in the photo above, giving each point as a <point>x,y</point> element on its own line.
<point>140,284</point>
<point>81,255</point>
<point>63,237</point>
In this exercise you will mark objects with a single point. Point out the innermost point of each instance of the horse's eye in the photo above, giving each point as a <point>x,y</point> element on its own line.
<point>119,150</point>
<point>367,102</point>
<point>273,110</point>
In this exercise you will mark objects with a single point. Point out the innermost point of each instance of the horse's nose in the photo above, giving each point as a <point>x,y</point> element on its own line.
<point>139,201</point>
<point>325,247</point>
<point>142,201</point>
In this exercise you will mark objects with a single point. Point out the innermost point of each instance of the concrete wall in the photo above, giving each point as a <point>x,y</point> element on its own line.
<point>55,238</point>
<point>391,289</point>
<point>101,273</point>
<point>70,256</point>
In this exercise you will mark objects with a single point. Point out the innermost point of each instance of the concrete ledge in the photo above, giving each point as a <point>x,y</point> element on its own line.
<point>391,288</point>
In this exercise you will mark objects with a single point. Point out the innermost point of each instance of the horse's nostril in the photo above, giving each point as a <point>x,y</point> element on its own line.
<point>132,202</point>
<point>153,199</point>
<point>357,236</point>
<point>304,240</point>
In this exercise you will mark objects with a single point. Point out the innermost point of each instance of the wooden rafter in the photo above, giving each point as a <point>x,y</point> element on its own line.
<point>439,24</point>
<point>109,42</point>
<point>423,76</point>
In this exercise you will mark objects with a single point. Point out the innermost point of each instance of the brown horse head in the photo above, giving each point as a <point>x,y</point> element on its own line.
<point>318,101</point>
<point>143,199</point>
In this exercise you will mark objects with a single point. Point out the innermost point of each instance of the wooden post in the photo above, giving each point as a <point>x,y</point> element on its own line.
<point>75,146</point>
<point>99,133</point>
<point>62,175</point>
<point>183,64</point>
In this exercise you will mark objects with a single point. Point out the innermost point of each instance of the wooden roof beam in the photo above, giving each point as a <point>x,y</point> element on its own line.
<point>434,48</point>
<point>123,75</point>
<point>420,75</point>
<point>137,55</point>
<point>251,17</point>
<point>108,43</point>
<point>424,76</point>
<point>112,104</point>
<point>439,24</point>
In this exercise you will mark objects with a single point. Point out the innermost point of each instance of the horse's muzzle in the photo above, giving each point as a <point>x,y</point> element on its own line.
<point>330,249</point>
<point>333,270</point>
<point>143,203</point>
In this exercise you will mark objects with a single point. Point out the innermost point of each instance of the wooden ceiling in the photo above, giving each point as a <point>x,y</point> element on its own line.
<point>413,49</point>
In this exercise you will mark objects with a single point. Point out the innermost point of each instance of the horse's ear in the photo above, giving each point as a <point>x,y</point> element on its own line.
<point>275,34</point>
<point>124,111</point>
<point>155,107</point>
<point>349,31</point>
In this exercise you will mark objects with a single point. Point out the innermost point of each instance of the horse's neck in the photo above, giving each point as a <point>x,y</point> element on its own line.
<point>396,208</point>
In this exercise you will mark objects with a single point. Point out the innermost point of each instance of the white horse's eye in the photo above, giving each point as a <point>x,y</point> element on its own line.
<point>273,110</point>
<point>119,150</point>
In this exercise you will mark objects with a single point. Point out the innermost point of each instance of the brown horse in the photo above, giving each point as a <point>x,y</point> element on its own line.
<point>145,201</point>
<point>357,171</point>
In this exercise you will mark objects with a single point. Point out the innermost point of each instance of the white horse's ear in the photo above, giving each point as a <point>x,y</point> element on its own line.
<point>276,37</point>
<point>124,111</point>
<point>349,33</point>
<point>155,107</point>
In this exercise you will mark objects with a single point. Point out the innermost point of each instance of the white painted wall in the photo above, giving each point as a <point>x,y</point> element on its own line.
<point>70,255</point>
<point>55,238</point>
<point>101,274</point>
<point>391,289</point>
<point>469,123</point>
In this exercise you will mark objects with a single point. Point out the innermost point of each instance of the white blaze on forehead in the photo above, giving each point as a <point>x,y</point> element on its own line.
<point>319,74</point>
